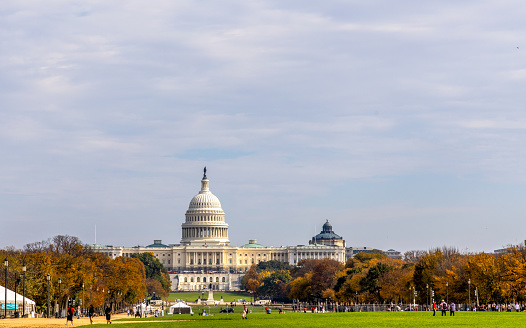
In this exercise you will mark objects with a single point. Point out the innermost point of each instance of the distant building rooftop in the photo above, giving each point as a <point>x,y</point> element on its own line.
<point>157,243</point>
<point>253,243</point>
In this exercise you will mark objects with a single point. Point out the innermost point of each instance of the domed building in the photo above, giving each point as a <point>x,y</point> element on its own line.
<point>204,258</point>
<point>205,220</point>
<point>327,237</point>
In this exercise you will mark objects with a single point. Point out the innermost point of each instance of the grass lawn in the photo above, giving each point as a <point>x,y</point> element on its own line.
<point>227,297</point>
<point>306,320</point>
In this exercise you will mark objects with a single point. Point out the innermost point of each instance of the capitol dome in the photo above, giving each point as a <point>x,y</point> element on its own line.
<point>205,220</point>
<point>208,200</point>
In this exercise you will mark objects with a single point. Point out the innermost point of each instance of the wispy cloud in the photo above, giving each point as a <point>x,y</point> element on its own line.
<point>110,110</point>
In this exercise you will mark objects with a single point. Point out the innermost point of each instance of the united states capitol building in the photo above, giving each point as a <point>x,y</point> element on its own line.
<point>204,257</point>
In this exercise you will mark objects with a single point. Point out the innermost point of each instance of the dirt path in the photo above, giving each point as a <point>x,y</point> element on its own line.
<point>45,323</point>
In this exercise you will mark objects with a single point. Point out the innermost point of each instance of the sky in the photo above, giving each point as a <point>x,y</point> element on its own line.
<point>402,122</point>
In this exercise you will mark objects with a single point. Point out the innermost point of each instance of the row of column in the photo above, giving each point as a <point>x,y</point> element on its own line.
<point>213,218</point>
<point>205,259</point>
<point>205,232</point>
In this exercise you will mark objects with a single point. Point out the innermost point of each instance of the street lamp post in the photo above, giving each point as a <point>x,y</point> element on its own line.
<point>48,278</point>
<point>59,298</point>
<point>17,282</point>
<point>83,306</point>
<point>469,292</point>
<point>427,298</point>
<point>24,268</point>
<point>6,263</point>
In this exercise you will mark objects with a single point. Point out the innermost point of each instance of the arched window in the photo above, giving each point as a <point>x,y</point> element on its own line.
<point>217,279</point>
<point>224,279</point>
<point>198,279</point>
<point>192,279</point>
<point>185,279</point>
<point>204,279</point>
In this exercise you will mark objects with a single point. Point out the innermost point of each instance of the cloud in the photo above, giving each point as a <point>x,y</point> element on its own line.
<point>110,110</point>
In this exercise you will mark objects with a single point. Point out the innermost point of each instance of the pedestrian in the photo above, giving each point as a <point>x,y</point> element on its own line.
<point>91,313</point>
<point>107,312</point>
<point>434,308</point>
<point>443,307</point>
<point>244,312</point>
<point>452,309</point>
<point>70,314</point>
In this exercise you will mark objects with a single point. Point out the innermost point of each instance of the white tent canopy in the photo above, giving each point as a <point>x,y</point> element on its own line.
<point>180,307</point>
<point>11,297</point>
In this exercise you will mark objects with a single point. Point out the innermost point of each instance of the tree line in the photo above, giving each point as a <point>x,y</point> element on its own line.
<point>421,276</point>
<point>88,277</point>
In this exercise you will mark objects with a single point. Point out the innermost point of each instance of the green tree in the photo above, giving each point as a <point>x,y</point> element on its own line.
<point>371,282</point>
<point>275,285</point>
<point>273,265</point>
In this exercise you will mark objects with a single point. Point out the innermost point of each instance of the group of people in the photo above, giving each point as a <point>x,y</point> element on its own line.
<point>71,312</point>
<point>443,306</point>
<point>91,314</point>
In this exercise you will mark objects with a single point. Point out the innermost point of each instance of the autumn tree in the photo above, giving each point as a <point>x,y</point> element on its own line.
<point>155,270</point>
<point>483,269</point>
<point>251,281</point>
<point>319,275</point>
<point>513,269</point>
<point>84,275</point>
<point>301,288</point>
<point>275,285</point>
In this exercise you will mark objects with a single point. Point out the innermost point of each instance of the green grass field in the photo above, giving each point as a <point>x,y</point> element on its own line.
<point>227,297</point>
<point>306,320</point>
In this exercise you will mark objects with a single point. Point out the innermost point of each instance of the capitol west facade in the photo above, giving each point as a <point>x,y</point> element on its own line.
<point>204,257</point>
